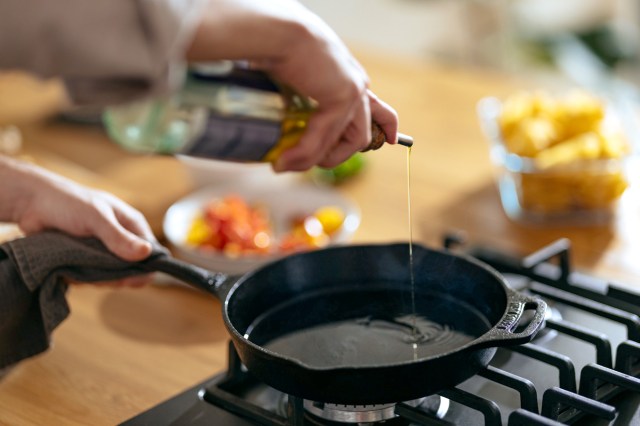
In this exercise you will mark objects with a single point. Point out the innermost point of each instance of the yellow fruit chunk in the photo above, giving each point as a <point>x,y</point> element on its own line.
<point>583,147</point>
<point>578,112</point>
<point>532,136</point>
<point>330,217</point>
<point>613,145</point>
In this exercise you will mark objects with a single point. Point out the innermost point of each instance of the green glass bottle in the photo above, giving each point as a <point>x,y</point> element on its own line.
<point>222,112</point>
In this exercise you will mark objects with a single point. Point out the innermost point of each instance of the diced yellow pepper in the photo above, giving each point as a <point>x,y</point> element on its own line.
<point>514,110</point>
<point>613,145</point>
<point>578,112</point>
<point>199,232</point>
<point>533,136</point>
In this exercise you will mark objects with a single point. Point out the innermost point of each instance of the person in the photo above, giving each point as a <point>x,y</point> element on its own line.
<point>108,52</point>
<point>112,51</point>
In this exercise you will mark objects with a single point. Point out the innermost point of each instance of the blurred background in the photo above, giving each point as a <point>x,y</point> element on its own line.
<point>594,44</point>
<point>557,42</point>
<point>546,39</point>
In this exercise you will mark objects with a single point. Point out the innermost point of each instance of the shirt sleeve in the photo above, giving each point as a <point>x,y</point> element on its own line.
<point>106,51</point>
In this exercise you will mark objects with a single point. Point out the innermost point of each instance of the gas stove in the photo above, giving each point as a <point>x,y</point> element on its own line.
<point>583,368</point>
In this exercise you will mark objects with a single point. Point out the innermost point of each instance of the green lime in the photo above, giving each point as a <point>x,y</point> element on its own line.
<point>342,171</point>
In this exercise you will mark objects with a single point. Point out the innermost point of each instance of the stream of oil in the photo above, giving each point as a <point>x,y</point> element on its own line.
<point>415,335</point>
<point>379,330</point>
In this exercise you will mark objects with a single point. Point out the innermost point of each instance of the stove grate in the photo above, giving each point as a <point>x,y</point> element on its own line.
<point>526,389</point>
<point>599,382</point>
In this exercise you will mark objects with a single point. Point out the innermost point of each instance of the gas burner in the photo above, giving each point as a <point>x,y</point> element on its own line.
<point>318,413</point>
<point>351,413</point>
<point>367,414</point>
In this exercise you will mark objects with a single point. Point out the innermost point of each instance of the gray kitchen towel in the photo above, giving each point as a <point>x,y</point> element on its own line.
<point>32,286</point>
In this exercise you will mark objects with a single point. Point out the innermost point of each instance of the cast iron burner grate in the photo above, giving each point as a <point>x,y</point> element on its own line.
<point>228,393</point>
<point>600,382</point>
<point>606,391</point>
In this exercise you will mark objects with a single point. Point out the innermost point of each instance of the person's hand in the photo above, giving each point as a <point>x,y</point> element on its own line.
<point>36,199</point>
<point>296,47</point>
<point>317,64</point>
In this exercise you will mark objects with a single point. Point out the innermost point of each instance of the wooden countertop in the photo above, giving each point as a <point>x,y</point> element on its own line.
<point>124,350</point>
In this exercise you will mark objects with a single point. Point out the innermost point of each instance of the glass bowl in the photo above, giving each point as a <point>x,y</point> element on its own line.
<point>581,192</point>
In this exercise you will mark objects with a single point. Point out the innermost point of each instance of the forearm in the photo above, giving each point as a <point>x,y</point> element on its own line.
<point>285,39</point>
<point>249,29</point>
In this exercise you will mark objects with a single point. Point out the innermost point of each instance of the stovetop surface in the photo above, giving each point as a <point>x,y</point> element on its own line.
<point>555,359</point>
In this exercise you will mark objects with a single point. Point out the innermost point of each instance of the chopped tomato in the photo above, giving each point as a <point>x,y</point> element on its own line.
<point>231,226</point>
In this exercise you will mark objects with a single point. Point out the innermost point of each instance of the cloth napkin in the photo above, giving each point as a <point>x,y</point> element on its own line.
<point>32,286</point>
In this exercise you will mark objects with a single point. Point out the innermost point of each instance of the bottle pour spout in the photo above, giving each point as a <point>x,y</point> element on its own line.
<point>379,138</point>
<point>405,140</point>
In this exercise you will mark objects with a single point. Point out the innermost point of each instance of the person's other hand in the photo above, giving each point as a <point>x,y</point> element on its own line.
<point>297,48</point>
<point>43,200</point>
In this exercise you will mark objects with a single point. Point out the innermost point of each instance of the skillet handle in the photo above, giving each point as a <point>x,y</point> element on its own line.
<point>502,334</point>
<point>215,283</point>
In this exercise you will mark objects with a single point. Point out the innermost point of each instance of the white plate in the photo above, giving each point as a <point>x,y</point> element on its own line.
<point>284,202</point>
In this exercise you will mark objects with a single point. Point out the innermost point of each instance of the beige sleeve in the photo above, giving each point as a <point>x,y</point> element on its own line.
<point>106,51</point>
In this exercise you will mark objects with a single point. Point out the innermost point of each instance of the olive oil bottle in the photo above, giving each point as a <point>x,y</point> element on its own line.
<point>222,112</point>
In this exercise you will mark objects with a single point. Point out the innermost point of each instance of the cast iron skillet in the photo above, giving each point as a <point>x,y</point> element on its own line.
<point>471,310</point>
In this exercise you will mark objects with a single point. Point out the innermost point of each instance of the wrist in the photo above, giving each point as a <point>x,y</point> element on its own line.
<point>17,189</point>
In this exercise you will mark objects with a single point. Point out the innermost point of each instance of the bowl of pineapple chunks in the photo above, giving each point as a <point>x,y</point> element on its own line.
<point>559,158</point>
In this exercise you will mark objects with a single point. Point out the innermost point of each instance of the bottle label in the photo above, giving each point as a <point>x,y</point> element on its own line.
<point>235,139</point>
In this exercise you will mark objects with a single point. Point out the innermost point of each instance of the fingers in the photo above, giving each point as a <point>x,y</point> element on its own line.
<point>132,220</point>
<point>323,131</point>
<point>385,116</point>
<point>330,140</point>
<point>374,110</point>
<point>356,136</point>
<point>123,230</point>
<point>122,242</point>
<point>127,234</point>
<point>332,136</point>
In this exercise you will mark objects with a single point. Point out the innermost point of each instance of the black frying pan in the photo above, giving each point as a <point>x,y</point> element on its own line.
<point>336,325</point>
